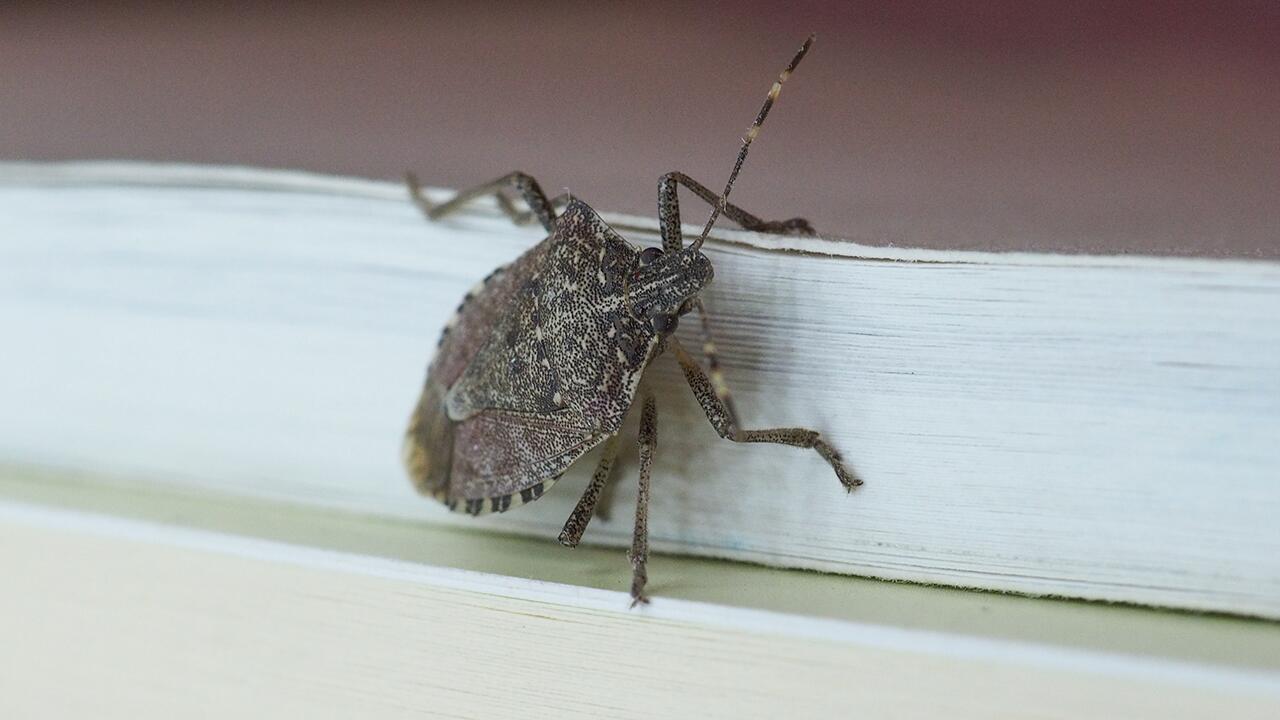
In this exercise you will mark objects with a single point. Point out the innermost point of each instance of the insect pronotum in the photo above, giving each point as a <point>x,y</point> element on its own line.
<point>543,360</point>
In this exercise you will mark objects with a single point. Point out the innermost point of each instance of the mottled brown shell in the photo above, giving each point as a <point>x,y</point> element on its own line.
<point>539,365</point>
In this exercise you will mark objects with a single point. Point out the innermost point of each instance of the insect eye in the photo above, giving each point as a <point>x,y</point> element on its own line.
<point>665,323</point>
<point>648,255</point>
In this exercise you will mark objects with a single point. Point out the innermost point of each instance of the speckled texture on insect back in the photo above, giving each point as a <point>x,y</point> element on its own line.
<point>539,365</point>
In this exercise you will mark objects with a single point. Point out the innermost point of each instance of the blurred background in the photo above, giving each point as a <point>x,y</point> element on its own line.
<point>1088,127</point>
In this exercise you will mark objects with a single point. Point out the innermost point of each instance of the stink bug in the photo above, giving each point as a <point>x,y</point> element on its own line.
<point>542,361</point>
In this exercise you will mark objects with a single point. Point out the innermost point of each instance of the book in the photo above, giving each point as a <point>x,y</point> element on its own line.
<point>1095,427</point>
<point>144,599</point>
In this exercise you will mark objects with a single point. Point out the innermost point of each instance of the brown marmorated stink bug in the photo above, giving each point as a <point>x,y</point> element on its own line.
<point>542,361</point>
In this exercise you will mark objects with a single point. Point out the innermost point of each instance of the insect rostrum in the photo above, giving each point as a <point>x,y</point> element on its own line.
<point>543,360</point>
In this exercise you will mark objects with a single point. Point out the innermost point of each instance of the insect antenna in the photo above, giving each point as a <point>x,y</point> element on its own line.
<point>751,136</point>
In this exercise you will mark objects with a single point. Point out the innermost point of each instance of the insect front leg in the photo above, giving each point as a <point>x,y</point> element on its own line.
<point>639,554</point>
<point>713,396</point>
<point>571,535</point>
<point>669,212</point>
<point>539,206</point>
<point>714,375</point>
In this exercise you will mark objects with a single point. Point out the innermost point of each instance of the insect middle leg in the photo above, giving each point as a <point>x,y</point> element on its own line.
<point>713,396</point>
<point>539,206</point>
<point>571,535</point>
<point>669,212</point>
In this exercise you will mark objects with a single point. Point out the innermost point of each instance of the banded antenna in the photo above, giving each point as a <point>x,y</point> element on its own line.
<point>751,136</point>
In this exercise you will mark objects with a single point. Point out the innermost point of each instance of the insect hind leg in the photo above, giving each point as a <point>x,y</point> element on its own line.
<point>669,212</point>
<point>539,206</point>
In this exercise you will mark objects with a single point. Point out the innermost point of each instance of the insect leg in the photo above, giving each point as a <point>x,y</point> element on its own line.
<point>715,375</point>
<point>714,399</point>
<point>571,535</point>
<point>639,554</point>
<point>604,508</point>
<point>539,206</point>
<point>669,212</point>
<point>525,217</point>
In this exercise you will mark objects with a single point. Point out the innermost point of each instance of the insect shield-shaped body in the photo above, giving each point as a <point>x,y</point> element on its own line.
<point>542,361</point>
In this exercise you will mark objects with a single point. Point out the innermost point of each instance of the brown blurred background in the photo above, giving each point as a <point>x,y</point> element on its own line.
<point>1110,127</point>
